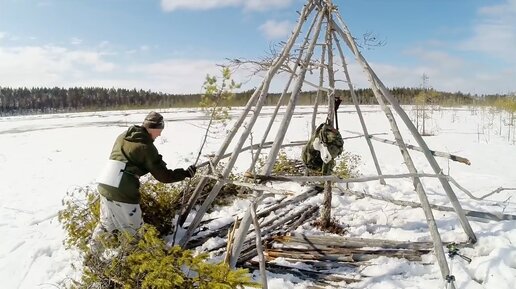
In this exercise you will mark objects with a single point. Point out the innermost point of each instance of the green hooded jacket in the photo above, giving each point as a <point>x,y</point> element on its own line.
<point>135,147</point>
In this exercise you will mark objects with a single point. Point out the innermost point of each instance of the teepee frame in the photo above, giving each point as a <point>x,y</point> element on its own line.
<point>326,25</point>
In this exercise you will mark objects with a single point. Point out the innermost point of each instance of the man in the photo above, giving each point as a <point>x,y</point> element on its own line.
<point>133,155</point>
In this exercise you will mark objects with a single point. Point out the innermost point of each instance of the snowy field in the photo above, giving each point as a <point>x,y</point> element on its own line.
<point>42,157</point>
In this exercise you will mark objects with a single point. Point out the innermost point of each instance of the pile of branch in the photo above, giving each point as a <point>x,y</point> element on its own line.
<point>287,219</point>
<point>343,249</point>
<point>286,223</point>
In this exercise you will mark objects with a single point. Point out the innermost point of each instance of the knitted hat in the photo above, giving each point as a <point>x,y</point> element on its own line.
<point>154,120</point>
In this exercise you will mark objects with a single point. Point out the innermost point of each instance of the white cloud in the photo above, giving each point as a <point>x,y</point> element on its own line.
<point>494,37</point>
<point>443,59</point>
<point>75,41</point>
<point>89,58</point>
<point>500,10</point>
<point>2,35</point>
<point>179,75</point>
<point>171,5</point>
<point>104,44</point>
<point>445,72</point>
<point>59,66</point>
<point>495,32</point>
<point>47,65</point>
<point>261,5</point>
<point>175,75</point>
<point>253,5</point>
<point>276,29</point>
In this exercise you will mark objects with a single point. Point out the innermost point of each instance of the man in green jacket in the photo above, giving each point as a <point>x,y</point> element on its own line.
<point>133,155</point>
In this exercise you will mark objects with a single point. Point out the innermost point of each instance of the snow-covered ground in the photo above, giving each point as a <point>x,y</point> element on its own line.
<point>44,156</point>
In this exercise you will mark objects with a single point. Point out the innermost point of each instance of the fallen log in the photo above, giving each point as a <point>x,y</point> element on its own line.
<point>348,242</point>
<point>348,251</point>
<point>327,265</point>
<point>342,255</point>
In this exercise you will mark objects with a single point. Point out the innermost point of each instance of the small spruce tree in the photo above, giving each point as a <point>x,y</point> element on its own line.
<point>143,260</point>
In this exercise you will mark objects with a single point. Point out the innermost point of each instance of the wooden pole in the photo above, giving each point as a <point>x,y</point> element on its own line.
<point>438,246</point>
<point>262,214</point>
<point>376,82</point>
<point>326,169</point>
<point>323,279</point>
<point>284,93</point>
<point>359,111</point>
<point>202,183</point>
<point>244,225</point>
<point>474,214</point>
<point>271,159</point>
<point>343,255</point>
<point>259,104</point>
<point>259,248</point>
<point>319,91</point>
<point>255,146</point>
<point>255,187</point>
<point>323,241</point>
<point>455,158</point>
<point>229,244</point>
<point>335,179</point>
<point>275,228</point>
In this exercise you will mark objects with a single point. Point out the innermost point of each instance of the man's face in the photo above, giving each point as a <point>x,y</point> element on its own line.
<point>155,132</point>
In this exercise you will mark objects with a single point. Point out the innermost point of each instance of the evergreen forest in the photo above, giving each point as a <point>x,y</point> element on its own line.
<point>21,101</point>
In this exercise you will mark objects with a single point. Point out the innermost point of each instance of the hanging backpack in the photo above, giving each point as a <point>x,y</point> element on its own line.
<point>323,147</point>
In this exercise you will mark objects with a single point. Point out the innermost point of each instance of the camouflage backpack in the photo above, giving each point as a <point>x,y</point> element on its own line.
<point>331,138</point>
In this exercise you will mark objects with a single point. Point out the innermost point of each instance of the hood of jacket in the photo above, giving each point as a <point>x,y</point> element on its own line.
<point>138,134</point>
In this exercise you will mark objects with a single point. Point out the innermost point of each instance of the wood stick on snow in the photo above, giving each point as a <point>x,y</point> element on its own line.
<point>469,213</point>
<point>325,242</point>
<point>222,230</point>
<point>416,148</point>
<point>259,247</point>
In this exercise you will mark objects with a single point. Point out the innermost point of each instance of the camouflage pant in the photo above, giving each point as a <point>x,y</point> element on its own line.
<point>118,216</point>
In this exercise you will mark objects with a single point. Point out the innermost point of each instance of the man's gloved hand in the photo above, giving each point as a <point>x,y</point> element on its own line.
<point>191,171</point>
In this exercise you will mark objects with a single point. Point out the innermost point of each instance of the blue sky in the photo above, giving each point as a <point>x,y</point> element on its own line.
<point>170,45</point>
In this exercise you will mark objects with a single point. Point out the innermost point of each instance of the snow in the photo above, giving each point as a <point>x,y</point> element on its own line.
<point>44,156</point>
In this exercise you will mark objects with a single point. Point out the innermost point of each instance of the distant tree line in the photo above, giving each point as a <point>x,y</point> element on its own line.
<point>14,101</point>
<point>52,100</point>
